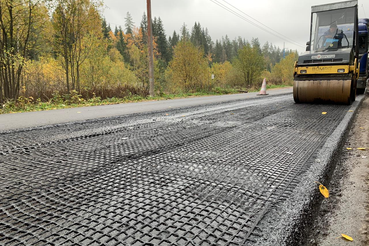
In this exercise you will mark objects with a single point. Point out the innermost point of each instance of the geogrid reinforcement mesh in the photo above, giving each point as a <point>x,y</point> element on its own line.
<point>196,176</point>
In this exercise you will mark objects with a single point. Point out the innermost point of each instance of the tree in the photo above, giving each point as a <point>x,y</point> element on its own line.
<point>221,71</point>
<point>201,38</point>
<point>185,34</point>
<point>121,44</point>
<point>143,27</point>
<point>250,64</point>
<point>188,70</point>
<point>106,29</point>
<point>175,39</point>
<point>266,54</point>
<point>129,24</point>
<point>218,52</point>
<point>227,49</point>
<point>196,35</point>
<point>73,21</point>
<point>256,45</point>
<point>17,18</point>
<point>172,43</point>
<point>161,39</point>
<point>282,72</point>
<point>40,42</point>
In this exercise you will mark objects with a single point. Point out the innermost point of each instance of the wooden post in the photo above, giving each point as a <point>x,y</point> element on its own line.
<point>151,52</point>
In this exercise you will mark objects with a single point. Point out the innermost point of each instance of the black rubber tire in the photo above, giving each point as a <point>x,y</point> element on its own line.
<point>352,93</point>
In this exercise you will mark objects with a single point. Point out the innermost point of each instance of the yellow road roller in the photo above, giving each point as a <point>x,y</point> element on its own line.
<point>328,71</point>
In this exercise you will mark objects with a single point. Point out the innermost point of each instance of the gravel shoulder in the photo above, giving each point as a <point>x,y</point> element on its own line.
<point>346,211</point>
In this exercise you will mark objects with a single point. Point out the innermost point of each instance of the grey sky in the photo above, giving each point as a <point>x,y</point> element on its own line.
<point>290,18</point>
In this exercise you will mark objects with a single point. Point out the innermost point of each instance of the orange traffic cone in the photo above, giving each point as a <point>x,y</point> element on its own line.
<point>263,88</point>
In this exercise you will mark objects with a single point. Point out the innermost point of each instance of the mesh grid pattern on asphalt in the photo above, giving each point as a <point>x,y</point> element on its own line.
<point>195,176</point>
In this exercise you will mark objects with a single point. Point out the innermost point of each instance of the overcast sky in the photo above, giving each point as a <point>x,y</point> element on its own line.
<point>289,18</point>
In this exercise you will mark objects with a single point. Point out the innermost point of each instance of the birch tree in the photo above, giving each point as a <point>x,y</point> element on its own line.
<point>16,20</point>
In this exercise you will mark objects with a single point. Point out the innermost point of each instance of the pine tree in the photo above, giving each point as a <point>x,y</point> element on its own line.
<point>196,35</point>
<point>129,24</point>
<point>121,45</point>
<point>116,31</point>
<point>185,34</point>
<point>174,40</point>
<point>227,47</point>
<point>172,44</point>
<point>201,38</point>
<point>143,27</point>
<point>162,43</point>
<point>256,44</point>
<point>218,52</point>
<point>105,29</point>
<point>208,44</point>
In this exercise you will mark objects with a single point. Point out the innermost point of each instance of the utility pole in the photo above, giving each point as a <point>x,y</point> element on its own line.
<point>151,52</point>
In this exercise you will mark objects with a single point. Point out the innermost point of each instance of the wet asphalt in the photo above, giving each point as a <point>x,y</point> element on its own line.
<point>237,171</point>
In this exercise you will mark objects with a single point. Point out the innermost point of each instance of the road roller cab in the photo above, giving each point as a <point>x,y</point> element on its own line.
<point>328,71</point>
<point>363,55</point>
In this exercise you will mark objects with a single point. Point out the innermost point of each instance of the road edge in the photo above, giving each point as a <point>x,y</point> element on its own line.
<point>304,205</point>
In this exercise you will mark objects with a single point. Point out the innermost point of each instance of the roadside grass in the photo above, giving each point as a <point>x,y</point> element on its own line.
<point>73,100</point>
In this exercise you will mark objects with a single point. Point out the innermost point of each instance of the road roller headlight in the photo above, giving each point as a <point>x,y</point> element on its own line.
<point>302,71</point>
<point>340,70</point>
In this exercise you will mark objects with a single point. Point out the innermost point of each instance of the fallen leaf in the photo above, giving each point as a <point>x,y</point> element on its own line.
<point>361,148</point>
<point>349,148</point>
<point>78,112</point>
<point>351,110</point>
<point>347,237</point>
<point>324,112</point>
<point>166,114</point>
<point>323,190</point>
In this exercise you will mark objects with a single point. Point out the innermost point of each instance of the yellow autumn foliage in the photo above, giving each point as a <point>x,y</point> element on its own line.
<point>221,72</point>
<point>188,71</point>
<point>42,76</point>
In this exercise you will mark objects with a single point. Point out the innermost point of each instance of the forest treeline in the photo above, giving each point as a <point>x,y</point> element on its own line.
<point>61,48</point>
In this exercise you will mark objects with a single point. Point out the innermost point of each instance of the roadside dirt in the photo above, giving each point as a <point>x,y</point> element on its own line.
<point>346,211</point>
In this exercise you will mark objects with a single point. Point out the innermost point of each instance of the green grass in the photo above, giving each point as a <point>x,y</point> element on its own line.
<point>74,100</point>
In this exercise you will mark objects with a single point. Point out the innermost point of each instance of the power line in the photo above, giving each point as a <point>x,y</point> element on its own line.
<point>254,21</point>
<point>261,23</point>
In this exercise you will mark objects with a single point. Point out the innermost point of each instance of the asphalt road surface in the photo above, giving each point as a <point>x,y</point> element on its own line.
<point>42,118</point>
<point>237,172</point>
